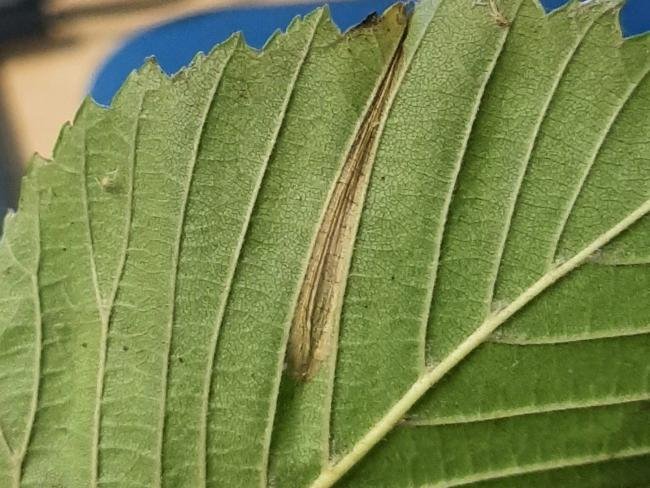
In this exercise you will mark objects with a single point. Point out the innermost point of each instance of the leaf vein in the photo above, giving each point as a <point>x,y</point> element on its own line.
<point>553,255</point>
<point>396,413</point>
<point>564,339</point>
<point>189,178</point>
<point>534,139</point>
<point>525,411</point>
<point>101,370</point>
<point>546,466</point>
<point>441,230</point>
<point>38,346</point>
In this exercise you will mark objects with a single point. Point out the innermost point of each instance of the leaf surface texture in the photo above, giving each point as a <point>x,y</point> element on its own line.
<point>489,315</point>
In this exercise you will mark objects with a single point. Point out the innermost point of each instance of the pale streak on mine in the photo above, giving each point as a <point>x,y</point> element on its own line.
<point>319,298</point>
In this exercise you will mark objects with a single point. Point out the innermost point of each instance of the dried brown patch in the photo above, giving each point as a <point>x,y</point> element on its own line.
<point>315,315</point>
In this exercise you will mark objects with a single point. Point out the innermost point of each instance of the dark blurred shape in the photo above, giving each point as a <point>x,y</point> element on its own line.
<point>20,18</point>
<point>9,172</point>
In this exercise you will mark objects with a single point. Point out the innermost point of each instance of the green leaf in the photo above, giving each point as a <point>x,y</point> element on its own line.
<point>416,254</point>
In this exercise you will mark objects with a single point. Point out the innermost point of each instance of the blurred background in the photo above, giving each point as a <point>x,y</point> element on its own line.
<point>54,52</point>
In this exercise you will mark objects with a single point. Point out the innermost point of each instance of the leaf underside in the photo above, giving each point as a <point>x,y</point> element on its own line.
<point>490,310</point>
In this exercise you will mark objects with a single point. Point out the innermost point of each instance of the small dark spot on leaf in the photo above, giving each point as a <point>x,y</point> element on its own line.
<point>180,360</point>
<point>370,21</point>
<point>84,345</point>
<point>125,348</point>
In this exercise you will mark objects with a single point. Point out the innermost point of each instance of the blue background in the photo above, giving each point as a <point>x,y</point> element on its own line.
<point>175,44</point>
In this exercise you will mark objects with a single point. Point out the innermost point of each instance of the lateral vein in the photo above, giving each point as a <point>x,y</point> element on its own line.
<point>566,339</point>
<point>546,466</point>
<point>525,411</point>
<point>176,262</point>
<point>424,383</point>
<point>560,75</point>
<point>101,369</point>
<point>442,227</point>
<point>310,338</point>
<point>38,363</point>
<point>629,95</point>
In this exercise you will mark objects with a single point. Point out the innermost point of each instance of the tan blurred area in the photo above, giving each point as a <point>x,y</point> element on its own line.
<point>43,80</point>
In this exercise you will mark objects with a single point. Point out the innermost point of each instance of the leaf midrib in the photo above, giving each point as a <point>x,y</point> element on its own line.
<point>483,332</point>
<point>429,377</point>
<point>332,474</point>
<point>424,383</point>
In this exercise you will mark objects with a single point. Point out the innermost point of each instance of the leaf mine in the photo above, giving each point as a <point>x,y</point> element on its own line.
<point>322,287</point>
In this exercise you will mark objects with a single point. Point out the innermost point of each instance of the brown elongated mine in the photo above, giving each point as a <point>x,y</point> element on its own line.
<point>317,308</point>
